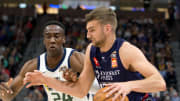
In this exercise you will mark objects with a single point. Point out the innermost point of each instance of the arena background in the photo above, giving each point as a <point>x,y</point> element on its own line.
<point>152,25</point>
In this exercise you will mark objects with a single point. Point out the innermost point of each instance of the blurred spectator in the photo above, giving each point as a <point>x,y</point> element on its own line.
<point>159,45</point>
<point>168,52</point>
<point>162,67</point>
<point>175,97</point>
<point>171,77</point>
<point>166,96</point>
<point>157,96</point>
<point>171,12</point>
<point>34,95</point>
<point>5,18</point>
<point>172,91</point>
<point>3,73</point>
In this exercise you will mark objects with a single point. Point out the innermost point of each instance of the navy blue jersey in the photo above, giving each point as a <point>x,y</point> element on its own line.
<point>108,68</point>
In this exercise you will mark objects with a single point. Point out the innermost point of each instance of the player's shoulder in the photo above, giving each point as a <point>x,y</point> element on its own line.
<point>29,66</point>
<point>126,47</point>
<point>31,63</point>
<point>77,54</point>
<point>129,51</point>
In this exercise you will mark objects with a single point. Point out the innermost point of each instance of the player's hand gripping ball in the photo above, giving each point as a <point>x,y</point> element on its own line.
<point>101,96</point>
<point>68,74</point>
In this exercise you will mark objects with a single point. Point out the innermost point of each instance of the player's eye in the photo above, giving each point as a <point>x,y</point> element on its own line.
<point>91,30</point>
<point>57,35</point>
<point>47,36</point>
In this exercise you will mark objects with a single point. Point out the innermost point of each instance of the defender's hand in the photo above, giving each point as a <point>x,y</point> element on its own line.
<point>34,78</point>
<point>69,75</point>
<point>5,88</point>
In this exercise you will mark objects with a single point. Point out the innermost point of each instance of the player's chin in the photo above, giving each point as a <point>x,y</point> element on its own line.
<point>94,43</point>
<point>52,49</point>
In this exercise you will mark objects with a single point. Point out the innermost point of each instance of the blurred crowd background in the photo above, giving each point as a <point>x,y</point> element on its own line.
<point>154,29</point>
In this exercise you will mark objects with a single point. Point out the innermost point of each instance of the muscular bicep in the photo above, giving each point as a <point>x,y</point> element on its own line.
<point>77,61</point>
<point>135,59</point>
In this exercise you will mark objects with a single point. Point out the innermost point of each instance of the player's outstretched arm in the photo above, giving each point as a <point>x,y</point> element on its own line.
<point>11,88</point>
<point>79,89</point>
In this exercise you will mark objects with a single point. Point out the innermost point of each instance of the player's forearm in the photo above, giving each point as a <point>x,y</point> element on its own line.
<point>154,83</point>
<point>9,96</point>
<point>75,90</point>
<point>16,91</point>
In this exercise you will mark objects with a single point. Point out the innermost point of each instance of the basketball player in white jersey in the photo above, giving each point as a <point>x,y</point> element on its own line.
<point>50,63</point>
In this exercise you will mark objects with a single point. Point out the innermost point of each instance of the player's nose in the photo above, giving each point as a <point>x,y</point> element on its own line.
<point>88,35</point>
<point>52,39</point>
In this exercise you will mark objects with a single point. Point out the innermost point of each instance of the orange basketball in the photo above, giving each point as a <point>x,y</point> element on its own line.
<point>101,96</point>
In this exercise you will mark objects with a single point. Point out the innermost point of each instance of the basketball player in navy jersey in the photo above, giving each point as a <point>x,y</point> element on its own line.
<point>50,63</point>
<point>113,61</point>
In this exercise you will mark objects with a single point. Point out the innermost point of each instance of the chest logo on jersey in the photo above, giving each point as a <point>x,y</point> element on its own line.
<point>114,63</point>
<point>96,62</point>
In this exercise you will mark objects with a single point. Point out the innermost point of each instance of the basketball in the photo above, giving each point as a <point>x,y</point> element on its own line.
<point>101,96</point>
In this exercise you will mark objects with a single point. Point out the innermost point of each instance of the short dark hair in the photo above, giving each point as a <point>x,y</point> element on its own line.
<point>53,22</point>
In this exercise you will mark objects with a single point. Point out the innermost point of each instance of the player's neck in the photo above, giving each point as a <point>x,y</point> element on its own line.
<point>52,61</point>
<point>108,43</point>
<point>57,57</point>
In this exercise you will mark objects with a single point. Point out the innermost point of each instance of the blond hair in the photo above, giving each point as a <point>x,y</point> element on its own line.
<point>104,15</point>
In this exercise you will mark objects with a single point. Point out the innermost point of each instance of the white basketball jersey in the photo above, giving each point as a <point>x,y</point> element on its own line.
<point>52,94</point>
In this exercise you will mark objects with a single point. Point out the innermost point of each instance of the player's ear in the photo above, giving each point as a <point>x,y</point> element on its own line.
<point>108,28</point>
<point>64,40</point>
<point>43,38</point>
